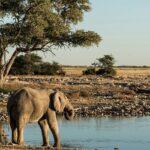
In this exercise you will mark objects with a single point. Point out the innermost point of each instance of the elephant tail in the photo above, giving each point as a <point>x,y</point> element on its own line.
<point>9,106</point>
<point>11,103</point>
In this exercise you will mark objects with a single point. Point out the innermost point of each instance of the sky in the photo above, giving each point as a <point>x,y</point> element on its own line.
<point>124,26</point>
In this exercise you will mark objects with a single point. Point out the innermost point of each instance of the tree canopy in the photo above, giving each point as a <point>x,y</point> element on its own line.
<point>105,62</point>
<point>41,25</point>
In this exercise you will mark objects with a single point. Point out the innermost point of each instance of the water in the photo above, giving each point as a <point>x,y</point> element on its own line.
<point>97,133</point>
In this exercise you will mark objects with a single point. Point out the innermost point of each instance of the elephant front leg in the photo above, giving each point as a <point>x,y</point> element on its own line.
<point>55,132</point>
<point>45,131</point>
<point>52,122</point>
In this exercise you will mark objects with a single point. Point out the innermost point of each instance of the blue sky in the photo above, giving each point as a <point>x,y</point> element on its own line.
<point>124,26</point>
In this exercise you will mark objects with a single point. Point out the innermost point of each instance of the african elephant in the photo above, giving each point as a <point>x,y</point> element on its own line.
<point>32,105</point>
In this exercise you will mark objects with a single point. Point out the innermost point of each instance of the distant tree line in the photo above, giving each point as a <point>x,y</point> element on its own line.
<point>32,64</point>
<point>133,66</point>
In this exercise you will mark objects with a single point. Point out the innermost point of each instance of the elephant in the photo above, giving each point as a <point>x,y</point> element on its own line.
<point>28,105</point>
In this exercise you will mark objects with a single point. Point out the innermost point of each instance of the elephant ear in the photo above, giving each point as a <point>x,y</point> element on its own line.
<point>58,101</point>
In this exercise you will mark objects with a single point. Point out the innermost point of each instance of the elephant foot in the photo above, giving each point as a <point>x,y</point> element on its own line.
<point>12,143</point>
<point>21,143</point>
<point>57,146</point>
<point>46,145</point>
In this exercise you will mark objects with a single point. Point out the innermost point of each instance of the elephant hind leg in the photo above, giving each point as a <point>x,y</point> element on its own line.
<point>45,131</point>
<point>22,121</point>
<point>14,131</point>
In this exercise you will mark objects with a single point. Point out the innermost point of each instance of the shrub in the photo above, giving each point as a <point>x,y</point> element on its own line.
<point>103,66</point>
<point>89,71</point>
<point>106,72</point>
<point>49,69</point>
<point>33,64</point>
<point>25,64</point>
<point>5,90</point>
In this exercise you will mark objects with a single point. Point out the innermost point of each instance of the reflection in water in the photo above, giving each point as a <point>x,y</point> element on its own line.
<point>98,133</point>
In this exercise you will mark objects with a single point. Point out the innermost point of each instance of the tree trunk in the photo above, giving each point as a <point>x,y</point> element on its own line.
<point>4,70</point>
<point>1,58</point>
<point>1,61</point>
<point>1,69</point>
<point>1,79</point>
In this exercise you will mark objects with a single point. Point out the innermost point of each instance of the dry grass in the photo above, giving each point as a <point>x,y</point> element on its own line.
<point>74,70</point>
<point>133,71</point>
<point>120,71</point>
<point>13,82</point>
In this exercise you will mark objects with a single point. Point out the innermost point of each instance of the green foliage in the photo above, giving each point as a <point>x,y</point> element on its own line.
<point>103,66</point>
<point>105,62</point>
<point>89,71</point>
<point>79,38</point>
<point>106,72</point>
<point>38,24</point>
<point>32,64</point>
<point>5,90</point>
<point>25,64</point>
<point>49,69</point>
<point>41,25</point>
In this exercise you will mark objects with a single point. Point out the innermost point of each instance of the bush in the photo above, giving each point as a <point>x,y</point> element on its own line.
<point>103,66</point>
<point>5,90</point>
<point>49,69</point>
<point>25,64</point>
<point>89,71</point>
<point>32,64</point>
<point>106,72</point>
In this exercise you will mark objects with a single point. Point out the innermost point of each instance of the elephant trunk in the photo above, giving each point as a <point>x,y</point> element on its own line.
<point>69,112</point>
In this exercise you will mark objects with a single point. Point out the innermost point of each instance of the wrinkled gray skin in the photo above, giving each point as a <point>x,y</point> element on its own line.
<point>30,105</point>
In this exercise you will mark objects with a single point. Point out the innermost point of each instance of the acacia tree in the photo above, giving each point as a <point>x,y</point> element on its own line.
<point>41,25</point>
<point>102,66</point>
